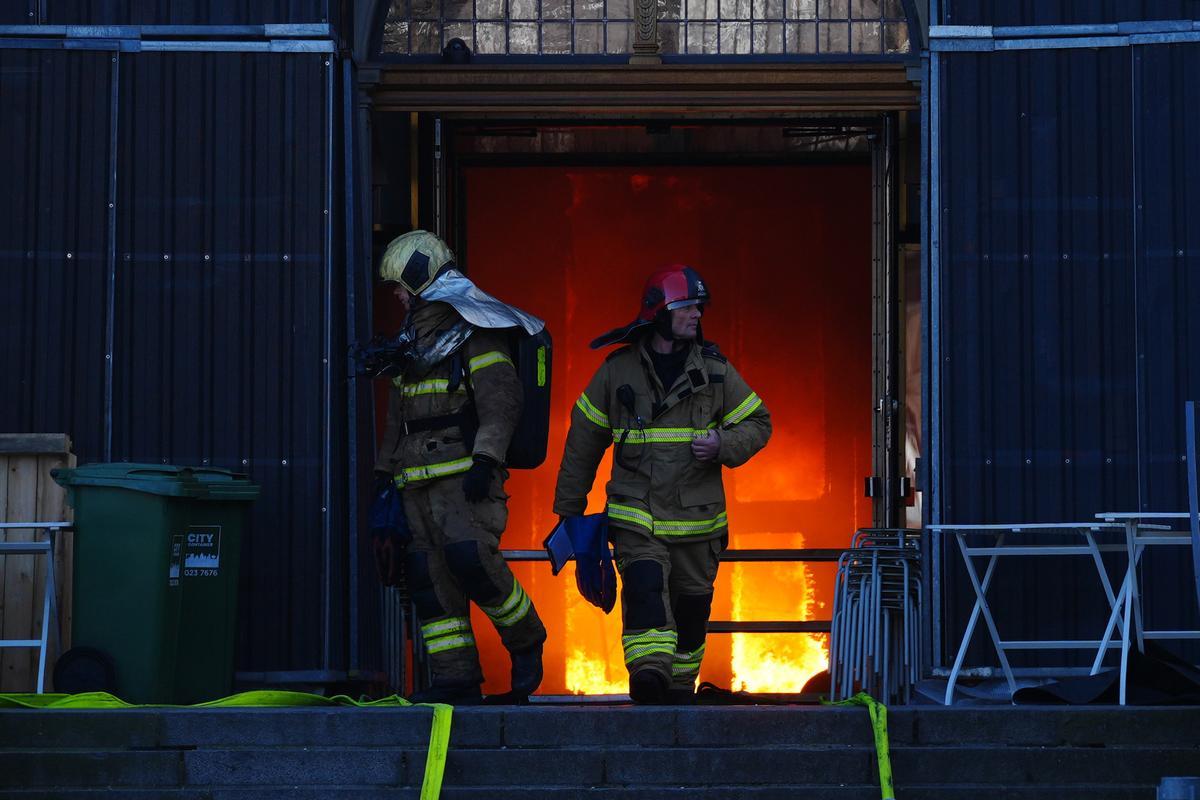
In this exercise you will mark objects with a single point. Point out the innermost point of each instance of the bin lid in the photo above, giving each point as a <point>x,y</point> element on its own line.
<point>202,483</point>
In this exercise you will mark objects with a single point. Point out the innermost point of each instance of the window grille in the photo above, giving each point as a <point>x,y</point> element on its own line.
<point>685,27</point>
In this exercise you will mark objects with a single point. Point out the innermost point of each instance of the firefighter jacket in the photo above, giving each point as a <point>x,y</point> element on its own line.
<point>658,486</point>
<point>412,450</point>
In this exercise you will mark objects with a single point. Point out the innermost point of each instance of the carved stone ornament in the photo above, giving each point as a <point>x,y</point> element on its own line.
<point>645,33</point>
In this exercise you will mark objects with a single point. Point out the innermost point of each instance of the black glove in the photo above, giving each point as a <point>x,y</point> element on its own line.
<point>478,479</point>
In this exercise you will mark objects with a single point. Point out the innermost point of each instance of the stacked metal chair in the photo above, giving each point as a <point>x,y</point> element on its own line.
<point>875,638</point>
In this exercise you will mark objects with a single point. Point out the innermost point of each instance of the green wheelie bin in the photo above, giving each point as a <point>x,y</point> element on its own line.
<point>157,550</point>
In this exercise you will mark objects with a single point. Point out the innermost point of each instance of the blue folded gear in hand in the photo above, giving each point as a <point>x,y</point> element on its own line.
<point>586,537</point>
<point>390,533</point>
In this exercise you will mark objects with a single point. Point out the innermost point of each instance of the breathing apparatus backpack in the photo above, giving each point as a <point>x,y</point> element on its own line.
<point>532,361</point>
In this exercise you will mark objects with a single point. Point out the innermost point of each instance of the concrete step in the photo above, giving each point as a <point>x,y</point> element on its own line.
<point>851,792</point>
<point>587,767</point>
<point>562,752</point>
<point>537,726</point>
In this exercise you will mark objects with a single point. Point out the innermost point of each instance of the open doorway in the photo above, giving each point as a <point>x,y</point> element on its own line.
<point>783,223</point>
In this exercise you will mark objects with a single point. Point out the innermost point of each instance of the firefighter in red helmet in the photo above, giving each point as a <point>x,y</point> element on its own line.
<point>677,413</point>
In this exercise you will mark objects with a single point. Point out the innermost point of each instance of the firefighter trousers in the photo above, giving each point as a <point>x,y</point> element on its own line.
<point>666,598</point>
<point>454,559</point>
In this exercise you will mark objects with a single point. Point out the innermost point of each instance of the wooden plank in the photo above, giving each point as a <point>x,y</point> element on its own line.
<point>14,443</point>
<point>51,506</point>
<point>16,669</point>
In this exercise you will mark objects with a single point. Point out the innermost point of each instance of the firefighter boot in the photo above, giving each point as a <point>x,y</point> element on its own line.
<point>647,686</point>
<point>527,671</point>
<point>526,677</point>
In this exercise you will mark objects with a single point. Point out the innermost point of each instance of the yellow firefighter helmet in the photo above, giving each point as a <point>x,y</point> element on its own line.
<point>414,259</point>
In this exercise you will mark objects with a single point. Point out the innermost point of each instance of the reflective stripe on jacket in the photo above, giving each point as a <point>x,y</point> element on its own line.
<point>661,487</point>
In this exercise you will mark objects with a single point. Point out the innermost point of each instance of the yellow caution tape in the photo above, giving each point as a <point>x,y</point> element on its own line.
<point>439,734</point>
<point>878,712</point>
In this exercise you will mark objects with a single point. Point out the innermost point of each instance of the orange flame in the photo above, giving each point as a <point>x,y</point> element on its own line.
<point>595,665</point>
<point>774,662</point>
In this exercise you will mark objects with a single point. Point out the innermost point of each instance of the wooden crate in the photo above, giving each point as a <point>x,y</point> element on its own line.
<point>29,494</point>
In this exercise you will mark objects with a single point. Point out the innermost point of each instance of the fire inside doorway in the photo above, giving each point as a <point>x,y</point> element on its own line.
<point>786,250</point>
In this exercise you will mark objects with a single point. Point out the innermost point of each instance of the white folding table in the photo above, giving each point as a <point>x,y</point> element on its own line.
<point>1142,529</point>
<point>1027,547</point>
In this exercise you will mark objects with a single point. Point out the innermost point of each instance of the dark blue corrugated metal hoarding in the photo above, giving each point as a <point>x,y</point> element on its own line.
<point>1064,12</point>
<point>1166,164</point>
<point>177,294</point>
<point>181,12</point>
<point>55,242</point>
<point>1067,337</point>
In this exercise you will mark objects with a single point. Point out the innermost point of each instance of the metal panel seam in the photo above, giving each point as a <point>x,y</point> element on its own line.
<point>327,444</point>
<point>111,293</point>
<point>1139,372</point>
<point>351,270</point>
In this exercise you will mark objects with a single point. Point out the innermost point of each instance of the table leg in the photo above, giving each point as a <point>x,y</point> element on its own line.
<point>1113,617</point>
<point>1125,634</point>
<point>981,591</point>
<point>1135,553</point>
<point>980,603</point>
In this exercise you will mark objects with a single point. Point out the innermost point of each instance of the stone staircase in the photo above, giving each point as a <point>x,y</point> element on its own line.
<point>587,751</point>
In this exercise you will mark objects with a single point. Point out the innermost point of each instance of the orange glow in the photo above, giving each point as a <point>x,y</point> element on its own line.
<point>774,662</point>
<point>786,253</point>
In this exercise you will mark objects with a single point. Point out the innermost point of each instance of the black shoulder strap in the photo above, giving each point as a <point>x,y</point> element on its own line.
<point>710,350</point>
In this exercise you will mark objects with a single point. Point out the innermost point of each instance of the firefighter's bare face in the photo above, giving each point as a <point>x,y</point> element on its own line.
<point>403,296</point>
<point>685,321</point>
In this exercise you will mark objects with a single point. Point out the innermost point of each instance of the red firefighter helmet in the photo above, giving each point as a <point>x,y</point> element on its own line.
<point>673,287</point>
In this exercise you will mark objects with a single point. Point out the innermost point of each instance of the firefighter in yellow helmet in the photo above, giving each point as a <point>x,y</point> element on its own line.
<point>451,414</point>
<point>677,413</point>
